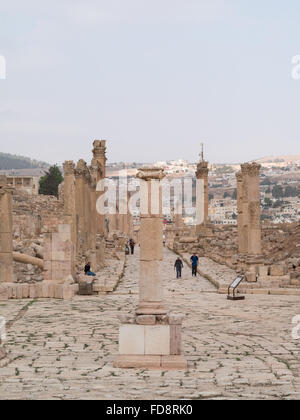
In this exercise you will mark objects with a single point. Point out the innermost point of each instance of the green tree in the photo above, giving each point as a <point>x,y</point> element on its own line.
<point>268,202</point>
<point>50,181</point>
<point>277,191</point>
<point>234,194</point>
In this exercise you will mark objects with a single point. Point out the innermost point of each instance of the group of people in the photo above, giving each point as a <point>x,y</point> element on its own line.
<point>178,266</point>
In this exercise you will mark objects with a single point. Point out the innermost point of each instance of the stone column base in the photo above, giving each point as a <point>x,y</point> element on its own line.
<point>151,341</point>
<point>150,362</point>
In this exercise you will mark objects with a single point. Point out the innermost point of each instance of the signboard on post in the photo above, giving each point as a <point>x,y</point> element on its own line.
<point>233,286</point>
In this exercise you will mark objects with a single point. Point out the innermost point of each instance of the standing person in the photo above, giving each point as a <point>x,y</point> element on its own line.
<point>132,245</point>
<point>194,261</point>
<point>178,266</point>
<point>87,270</point>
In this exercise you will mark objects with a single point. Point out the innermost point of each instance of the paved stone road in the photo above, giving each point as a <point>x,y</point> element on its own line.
<point>65,350</point>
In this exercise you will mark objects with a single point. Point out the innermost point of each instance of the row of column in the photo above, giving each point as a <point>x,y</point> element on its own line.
<point>80,198</point>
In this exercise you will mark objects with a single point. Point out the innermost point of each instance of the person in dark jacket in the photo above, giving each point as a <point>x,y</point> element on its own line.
<point>87,270</point>
<point>194,262</point>
<point>132,245</point>
<point>178,266</point>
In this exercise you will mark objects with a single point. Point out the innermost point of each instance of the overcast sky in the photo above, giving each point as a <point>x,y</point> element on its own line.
<point>153,77</point>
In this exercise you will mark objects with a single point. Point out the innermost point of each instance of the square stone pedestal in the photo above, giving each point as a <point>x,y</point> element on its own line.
<point>151,342</point>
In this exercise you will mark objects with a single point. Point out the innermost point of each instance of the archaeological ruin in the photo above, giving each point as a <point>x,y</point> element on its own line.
<point>45,243</point>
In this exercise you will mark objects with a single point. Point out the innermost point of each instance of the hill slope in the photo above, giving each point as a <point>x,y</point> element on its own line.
<point>8,161</point>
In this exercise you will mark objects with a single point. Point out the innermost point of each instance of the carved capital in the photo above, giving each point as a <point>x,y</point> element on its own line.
<point>81,168</point>
<point>99,149</point>
<point>149,173</point>
<point>251,169</point>
<point>69,167</point>
<point>202,169</point>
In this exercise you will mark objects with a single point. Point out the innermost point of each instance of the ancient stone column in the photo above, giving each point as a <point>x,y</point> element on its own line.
<point>80,172</point>
<point>201,195</point>
<point>70,198</point>
<point>6,247</point>
<point>242,235</point>
<point>93,212</point>
<point>151,339</point>
<point>99,152</point>
<point>251,221</point>
<point>151,242</point>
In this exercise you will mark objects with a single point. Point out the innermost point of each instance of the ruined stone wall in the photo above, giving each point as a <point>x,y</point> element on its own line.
<point>280,244</point>
<point>31,215</point>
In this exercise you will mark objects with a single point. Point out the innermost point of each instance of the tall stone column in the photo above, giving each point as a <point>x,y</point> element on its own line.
<point>151,242</point>
<point>242,235</point>
<point>93,237</point>
<point>151,338</point>
<point>202,195</point>
<point>70,199</point>
<point>80,206</point>
<point>251,208</point>
<point>6,246</point>
<point>99,153</point>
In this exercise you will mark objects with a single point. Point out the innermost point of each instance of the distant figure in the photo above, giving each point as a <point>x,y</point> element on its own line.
<point>132,245</point>
<point>194,261</point>
<point>178,266</point>
<point>87,270</point>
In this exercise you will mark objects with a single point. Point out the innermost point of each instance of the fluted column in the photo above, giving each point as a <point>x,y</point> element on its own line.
<point>6,246</point>
<point>151,246</point>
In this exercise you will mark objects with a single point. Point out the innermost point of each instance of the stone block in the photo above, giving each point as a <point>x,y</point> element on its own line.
<point>251,277</point>
<point>13,288</point>
<point>51,289</point>
<point>67,292</point>
<point>58,291</point>
<point>176,319</point>
<point>146,319</point>
<point>38,290</point>
<point>174,362</point>
<point>175,340</point>
<point>45,289</point>
<point>263,271</point>
<point>277,270</point>
<point>25,290</point>
<point>3,292</point>
<point>138,362</point>
<point>32,291</point>
<point>19,291</point>
<point>157,340</point>
<point>132,340</point>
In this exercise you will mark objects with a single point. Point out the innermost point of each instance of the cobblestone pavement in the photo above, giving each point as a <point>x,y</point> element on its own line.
<point>65,350</point>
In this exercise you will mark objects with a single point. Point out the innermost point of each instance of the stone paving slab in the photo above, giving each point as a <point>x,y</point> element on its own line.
<point>235,350</point>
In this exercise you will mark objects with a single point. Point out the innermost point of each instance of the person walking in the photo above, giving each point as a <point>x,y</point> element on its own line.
<point>132,245</point>
<point>178,266</point>
<point>194,261</point>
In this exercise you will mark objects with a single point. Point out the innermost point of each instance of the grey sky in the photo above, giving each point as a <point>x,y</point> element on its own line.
<point>153,77</point>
